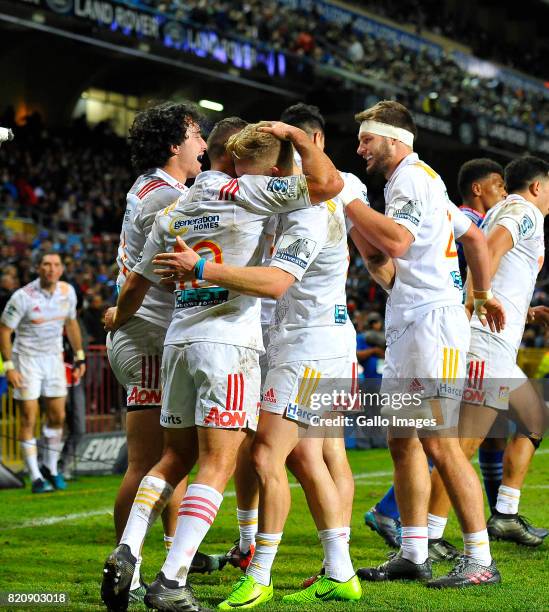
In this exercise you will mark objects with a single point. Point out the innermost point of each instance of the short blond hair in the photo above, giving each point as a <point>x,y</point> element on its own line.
<point>252,145</point>
<point>390,112</point>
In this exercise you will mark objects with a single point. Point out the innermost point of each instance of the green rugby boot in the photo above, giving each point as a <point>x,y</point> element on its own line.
<point>326,589</point>
<point>247,593</point>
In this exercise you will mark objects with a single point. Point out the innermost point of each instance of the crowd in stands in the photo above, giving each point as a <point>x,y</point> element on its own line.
<point>429,83</point>
<point>74,183</point>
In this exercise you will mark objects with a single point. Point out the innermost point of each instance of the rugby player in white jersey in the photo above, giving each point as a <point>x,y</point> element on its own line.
<point>481,186</point>
<point>245,479</point>
<point>34,365</point>
<point>211,379</point>
<point>166,148</point>
<point>308,353</point>
<point>427,341</point>
<point>332,446</point>
<point>515,234</point>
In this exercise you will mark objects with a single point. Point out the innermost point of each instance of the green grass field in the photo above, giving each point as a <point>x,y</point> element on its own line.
<point>58,542</point>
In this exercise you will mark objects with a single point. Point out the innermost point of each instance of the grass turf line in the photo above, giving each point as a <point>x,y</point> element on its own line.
<point>68,555</point>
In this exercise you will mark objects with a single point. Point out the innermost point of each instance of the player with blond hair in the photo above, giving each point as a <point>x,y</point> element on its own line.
<point>210,364</point>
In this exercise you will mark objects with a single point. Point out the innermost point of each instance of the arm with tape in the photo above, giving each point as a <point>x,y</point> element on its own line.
<point>482,268</point>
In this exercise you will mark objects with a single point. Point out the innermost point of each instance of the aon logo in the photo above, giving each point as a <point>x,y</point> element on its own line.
<point>144,397</point>
<point>226,418</point>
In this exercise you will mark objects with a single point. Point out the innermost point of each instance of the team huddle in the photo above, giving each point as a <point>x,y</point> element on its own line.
<point>232,315</point>
<point>237,286</point>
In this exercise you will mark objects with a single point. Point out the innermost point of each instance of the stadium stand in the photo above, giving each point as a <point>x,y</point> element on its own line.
<point>444,88</point>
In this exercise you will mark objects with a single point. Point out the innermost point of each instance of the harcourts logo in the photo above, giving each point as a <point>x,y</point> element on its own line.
<point>170,419</point>
<point>295,413</point>
<point>181,225</point>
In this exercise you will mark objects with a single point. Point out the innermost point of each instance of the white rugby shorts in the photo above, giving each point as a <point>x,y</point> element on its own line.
<point>43,376</point>
<point>210,385</point>
<point>303,390</point>
<point>492,371</point>
<point>135,355</point>
<point>428,360</point>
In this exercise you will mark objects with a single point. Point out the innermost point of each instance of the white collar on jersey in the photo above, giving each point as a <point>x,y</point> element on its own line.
<point>170,180</point>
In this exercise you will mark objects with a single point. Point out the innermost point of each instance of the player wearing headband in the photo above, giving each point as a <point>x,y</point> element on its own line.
<point>427,341</point>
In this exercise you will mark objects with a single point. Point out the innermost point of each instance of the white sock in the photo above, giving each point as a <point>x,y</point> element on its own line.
<point>53,446</point>
<point>477,546</point>
<point>337,561</point>
<point>196,514</point>
<point>30,454</point>
<point>168,541</point>
<point>151,498</point>
<point>508,500</point>
<point>266,545</point>
<point>136,578</point>
<point>247,526</point>
<point>436,525</point>
<point>415,544</point>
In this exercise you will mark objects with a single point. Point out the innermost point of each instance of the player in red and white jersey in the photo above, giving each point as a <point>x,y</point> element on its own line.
<point>515,231</point>
<point>308,354</point>
<point>427,341</point>
<point>34,365</point>
<point>166,148</point>
<point>210,365</point>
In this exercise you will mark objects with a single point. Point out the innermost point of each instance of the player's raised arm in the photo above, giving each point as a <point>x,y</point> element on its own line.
<point>323,179</point>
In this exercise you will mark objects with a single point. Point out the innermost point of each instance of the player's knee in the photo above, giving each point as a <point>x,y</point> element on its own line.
<point>434,449</point>
<point>469,446</point>
<point>403,449</point>
<point>139,467</point>
<point>56,420</point>
<point>262,460</point>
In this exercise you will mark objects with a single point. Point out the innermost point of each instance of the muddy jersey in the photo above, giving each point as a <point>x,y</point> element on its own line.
<point>150,193</point>
<point>310,320</point>
<point>222,219</point>
<point>427,275</point>
<point>38,317</point>
<point>514,281</point>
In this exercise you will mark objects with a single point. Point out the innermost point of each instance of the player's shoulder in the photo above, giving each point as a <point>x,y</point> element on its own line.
<point>352,181</point>
<point>66,289</point>
<point>419,167</point>
<point>152,186</point>
<point>212,185</point>
<point>472,214</point>
<point>28,291</point>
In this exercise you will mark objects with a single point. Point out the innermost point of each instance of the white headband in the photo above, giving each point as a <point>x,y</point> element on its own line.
<point>384,129</point>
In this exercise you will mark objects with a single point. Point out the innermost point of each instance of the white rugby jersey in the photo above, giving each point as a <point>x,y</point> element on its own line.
<point>38,317</point>
<point>150,193</point>
<point>514,281</point>
<point>427,275</point>
<point>223,219</point>
<point>268,304</point>
<point>310,319</point>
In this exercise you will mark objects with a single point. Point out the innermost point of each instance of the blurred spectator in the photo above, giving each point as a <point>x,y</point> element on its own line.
<point>435,85</point>
<point>8,284</point>
<point>92,319</point>
<point>371,346</point>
